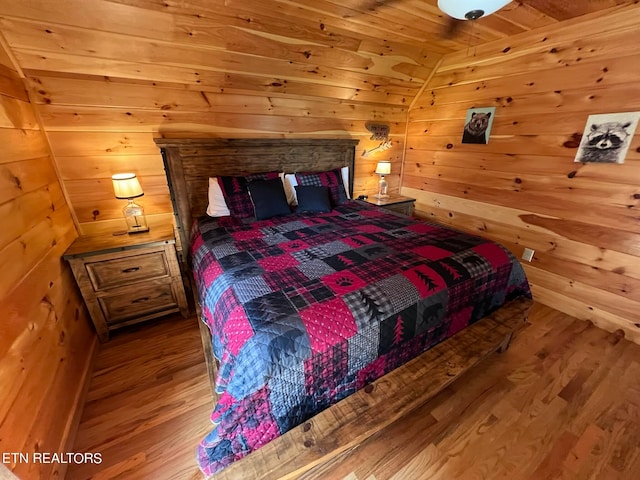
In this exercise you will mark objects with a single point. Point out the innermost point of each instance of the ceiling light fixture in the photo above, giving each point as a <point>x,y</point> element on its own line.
<point>470,9</point>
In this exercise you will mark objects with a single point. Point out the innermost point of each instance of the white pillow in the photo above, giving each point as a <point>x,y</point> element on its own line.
<point>345,180</point>
<point>217,206</point>
<point>289,182</point>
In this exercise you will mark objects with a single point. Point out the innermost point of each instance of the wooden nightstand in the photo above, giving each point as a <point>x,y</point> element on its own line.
<point>128,279</point>
<point>394,202</point>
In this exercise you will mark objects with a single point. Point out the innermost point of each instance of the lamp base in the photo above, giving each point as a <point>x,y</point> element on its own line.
<point>140,229</point>
<point>382,188</point>
<point>134,215</point>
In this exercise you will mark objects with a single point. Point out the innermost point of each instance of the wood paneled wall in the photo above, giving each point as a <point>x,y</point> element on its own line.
<point>108,77</point>
<point>523,188</point>
<point>46,341</point>
<point>98,127</point>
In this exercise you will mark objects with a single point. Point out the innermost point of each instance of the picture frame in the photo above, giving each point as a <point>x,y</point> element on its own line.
<point>477,125</point>
<point>607,137</point>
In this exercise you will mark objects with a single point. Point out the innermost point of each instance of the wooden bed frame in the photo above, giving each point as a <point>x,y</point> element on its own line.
<point>188,164</point>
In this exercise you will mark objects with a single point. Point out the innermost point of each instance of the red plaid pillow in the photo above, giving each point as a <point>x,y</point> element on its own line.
<point>331,179</point>
<point>236,193</point>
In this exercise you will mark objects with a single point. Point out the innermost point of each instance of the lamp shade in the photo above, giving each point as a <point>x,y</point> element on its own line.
<point>126,185</point>
<point>459,8</point>
<point>383,168</point>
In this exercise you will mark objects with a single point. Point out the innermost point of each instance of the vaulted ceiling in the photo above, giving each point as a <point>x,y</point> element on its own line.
<point>369,51</point>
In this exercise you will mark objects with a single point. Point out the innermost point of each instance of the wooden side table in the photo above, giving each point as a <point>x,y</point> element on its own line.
<point>394,202</point>
<point>127,279</point>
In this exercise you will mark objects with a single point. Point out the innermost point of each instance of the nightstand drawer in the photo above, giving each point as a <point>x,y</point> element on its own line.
<point>124,271</point>
<point>140,301</point>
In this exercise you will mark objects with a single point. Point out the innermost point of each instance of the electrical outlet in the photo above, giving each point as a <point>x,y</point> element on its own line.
<point>527,254</point>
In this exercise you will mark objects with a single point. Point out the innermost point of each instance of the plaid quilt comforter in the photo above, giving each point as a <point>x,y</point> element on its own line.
<point>308,308</point>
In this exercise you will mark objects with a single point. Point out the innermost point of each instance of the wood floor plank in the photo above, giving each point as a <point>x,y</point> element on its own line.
<point>562,403</point>
<point>149,404</point>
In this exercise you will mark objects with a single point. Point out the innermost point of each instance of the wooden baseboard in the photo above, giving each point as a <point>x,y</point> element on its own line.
<point>357,417</point>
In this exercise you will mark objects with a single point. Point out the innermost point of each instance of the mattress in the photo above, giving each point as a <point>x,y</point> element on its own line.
<point>305,309</point>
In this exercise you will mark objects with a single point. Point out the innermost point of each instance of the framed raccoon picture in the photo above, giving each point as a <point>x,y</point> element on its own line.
<point>607,137</point>
<point>477,125</point>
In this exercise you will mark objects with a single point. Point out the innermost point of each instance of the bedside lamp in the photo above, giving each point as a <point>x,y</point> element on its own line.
<point>126,186</point>
<point>383,168</point>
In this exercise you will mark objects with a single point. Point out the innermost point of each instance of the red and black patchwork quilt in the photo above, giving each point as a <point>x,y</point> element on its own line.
<point>305,309</point>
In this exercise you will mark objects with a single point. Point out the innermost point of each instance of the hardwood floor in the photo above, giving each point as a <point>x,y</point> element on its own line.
<point>148,404</point>
<point>563,402</point>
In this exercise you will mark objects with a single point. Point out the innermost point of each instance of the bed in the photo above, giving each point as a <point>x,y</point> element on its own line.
<point>303,312</point>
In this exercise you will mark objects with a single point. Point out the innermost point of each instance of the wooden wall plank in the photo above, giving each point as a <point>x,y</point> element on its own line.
<point>17,178</point>
<point>188,23</point>
<point>11,84</point>
<point>21,255</point>
<point>543,145</point>
<point>196,33</point>
<point>601,279</point>
<point>528,188</point>
<point>22,145</point>
<point>45,38</point>
<point>60,118</point>
<point>620,20</point>
<point>108,209</point>
<point>103,166</point>
<point>15,113</point>
<point>523,187</point>
<point>40,421</point>
<point>36,64</point>
<point>29,208</point>
<point>77,144</point>
<point>513,225</point>
<point>620,306</point>
<point>101,92</point>
<point>538,93</point>
<point>524,123</point>
<point>602,318</point>
<point>526,15</point>
<point>42,370</point>
<point>46,284</point>
<point>403,20</point>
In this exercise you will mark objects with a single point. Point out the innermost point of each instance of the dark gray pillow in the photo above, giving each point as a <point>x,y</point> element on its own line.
<point>313,199</point>
<point>268,198</point>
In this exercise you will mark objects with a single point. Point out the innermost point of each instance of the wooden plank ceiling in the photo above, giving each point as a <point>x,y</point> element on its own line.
<point>369,51</point>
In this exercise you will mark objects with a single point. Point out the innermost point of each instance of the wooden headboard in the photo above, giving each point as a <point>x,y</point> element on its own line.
<point>189,163</point>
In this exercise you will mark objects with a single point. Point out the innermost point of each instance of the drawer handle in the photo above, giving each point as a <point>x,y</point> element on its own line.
<point>140,300</point>
<point>131,270</point>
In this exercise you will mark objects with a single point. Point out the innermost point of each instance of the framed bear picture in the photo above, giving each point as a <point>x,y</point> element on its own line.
<point>477,125</point>
<point>607,137</point>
